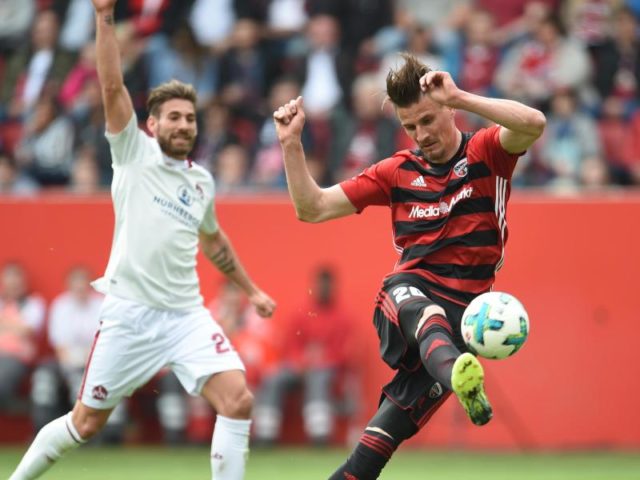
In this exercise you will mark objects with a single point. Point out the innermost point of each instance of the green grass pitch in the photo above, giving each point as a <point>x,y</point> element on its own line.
<point>97,463</point>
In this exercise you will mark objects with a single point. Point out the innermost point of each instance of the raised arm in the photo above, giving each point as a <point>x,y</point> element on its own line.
<point>312,203</point>
<point>521,125</point>
<point>218,249</point>
<point>118,108</point>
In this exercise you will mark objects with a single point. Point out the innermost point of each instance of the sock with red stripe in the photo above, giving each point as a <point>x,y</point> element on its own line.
<point>52,442</point>
<point>370,456</point>
<point>437,350</point>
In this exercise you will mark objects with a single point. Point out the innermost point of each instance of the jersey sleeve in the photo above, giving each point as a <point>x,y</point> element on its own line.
<point>489,148</point>
<point>128,145</point>
<point>209,222</point>
<point>371,187</point>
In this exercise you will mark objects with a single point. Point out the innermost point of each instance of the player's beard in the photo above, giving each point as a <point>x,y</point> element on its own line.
<point>172,150</point>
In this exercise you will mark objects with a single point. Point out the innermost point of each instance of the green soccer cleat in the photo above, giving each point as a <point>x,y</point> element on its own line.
<point>467,379</point>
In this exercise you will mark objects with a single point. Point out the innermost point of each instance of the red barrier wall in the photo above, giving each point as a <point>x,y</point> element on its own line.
<point>572,261</point>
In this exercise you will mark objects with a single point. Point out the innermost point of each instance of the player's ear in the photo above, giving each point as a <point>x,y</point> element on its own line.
<point>152,122</point>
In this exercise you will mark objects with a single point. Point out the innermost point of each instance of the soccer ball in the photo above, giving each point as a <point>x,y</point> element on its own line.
<point>495,325</point>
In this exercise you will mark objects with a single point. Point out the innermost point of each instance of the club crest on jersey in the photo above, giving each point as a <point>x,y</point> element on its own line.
<point>99,393</point>
<point>186,195</point>
<point>435,391</point>
<point>460,168</point>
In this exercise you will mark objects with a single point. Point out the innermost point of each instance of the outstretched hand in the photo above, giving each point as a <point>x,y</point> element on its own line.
<point>289,120</point>
<point>440,87</point>
<point>263,303</point>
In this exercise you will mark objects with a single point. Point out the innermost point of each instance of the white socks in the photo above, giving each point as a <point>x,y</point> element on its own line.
<point>52,442</point>
<point>229,448</point>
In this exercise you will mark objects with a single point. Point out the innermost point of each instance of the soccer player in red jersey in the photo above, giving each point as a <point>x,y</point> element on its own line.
<point>448,205</point>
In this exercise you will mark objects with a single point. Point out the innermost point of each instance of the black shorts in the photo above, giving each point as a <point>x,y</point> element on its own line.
<point>412,388</point>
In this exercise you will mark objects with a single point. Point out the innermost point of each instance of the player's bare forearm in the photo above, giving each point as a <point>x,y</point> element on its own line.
<point>117,103</point>
<point>304,191</point>
<point>218,249</point>
<point>522,124</point>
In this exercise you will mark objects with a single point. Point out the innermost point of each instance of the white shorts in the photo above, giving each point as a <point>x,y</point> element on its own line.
<point>135,341</point>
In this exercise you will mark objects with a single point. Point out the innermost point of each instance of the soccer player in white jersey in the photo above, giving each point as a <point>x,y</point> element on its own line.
<point>153,313</point>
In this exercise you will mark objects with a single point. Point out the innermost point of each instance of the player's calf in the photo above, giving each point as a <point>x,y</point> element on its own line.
<point>52,442</point>
<point>370,456</point>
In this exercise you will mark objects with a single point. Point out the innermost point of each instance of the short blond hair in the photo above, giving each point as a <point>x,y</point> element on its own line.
<point>168,91</point>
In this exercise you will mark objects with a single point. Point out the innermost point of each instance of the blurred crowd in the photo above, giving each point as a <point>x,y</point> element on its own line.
<point>577,60</point>
<point>44,348</point>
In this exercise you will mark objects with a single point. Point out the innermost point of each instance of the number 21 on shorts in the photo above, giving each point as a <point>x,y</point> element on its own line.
<point>220,341</point>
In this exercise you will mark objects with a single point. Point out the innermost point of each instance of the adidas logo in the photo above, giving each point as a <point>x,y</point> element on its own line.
<point>419,182</point>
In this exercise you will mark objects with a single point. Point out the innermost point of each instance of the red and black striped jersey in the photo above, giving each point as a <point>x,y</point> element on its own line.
<point>449,220</point>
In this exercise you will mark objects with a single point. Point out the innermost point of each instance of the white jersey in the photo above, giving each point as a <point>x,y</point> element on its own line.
<point>160,205</point>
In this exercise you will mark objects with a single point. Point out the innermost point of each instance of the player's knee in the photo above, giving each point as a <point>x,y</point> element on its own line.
<point>238,404</point>
<point>431,316</point>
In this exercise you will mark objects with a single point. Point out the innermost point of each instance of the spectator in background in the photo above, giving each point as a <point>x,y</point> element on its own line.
<point>46,148</point>
<point>446,19</point>
<point>217,134</point>
<point>212,23</point>
<point>533,70</point>
<point>368,135</point>
<point>419,42</point>
<point>478,60</point>
<point>570,147</point>
<point>87,117</point>
<point>182,58</point>
<point>359,21</point>
<point>134,67</point>
<point>15,19</point>
<point>21,320</point>
<point>232,169</point>
<point>613,131</point>
<point>589,21</point>
<point>632,149</point>
<point>617,61</point>
<point>268,168</point>
<point>516,20</point>
<point>77,24</point>
<point>479,54</point>
<point>323,68</point>
<point>85,172</point>
<point>12,180</point>
<point>36,64</point>
<point>245,70</point>
<point>315,354</point>
<point>83,72</point>
<point>285,19</point>
<point>152,17</point>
